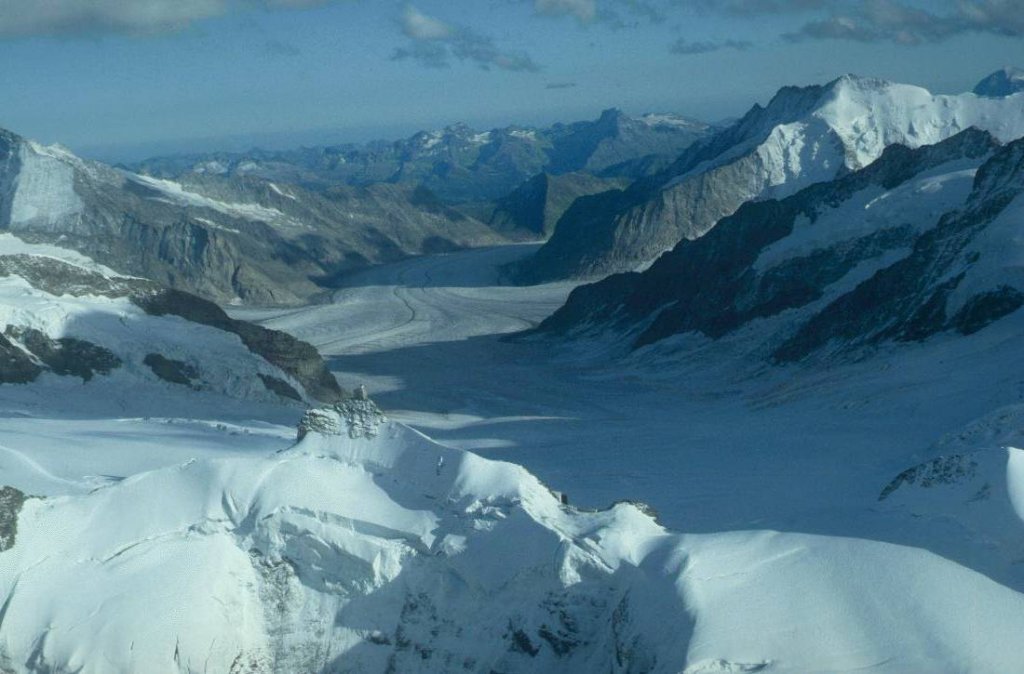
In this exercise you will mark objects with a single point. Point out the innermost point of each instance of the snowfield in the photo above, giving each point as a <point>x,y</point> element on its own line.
<point>715,443</point>
<point>863,518</point>
<point>389,552</point>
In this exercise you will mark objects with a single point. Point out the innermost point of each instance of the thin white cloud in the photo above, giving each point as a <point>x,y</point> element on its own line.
<point>434,43</point>
<point>418,26</point>
<point>904,23</point>
<point>69,17</point>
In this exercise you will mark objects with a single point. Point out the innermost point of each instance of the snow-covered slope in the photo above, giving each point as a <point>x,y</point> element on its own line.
<point>368,548</point>
<point>920,242</point>
<point>803,136</point>
<point>65,321</point>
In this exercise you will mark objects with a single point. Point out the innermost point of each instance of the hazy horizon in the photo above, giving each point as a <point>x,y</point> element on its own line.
<point>121,81</point>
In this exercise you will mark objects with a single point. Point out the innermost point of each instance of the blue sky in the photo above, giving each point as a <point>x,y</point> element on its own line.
<point>124,78</point>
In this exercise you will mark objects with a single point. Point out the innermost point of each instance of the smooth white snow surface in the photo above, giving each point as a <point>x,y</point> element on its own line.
<point>182,532</point>
<point>392,552</point>
<point>852,124</point>
<point>711,441</point>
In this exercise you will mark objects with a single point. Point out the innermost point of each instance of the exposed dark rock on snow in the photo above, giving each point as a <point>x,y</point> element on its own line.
<point>716,284</point>
<point>16,366</point>
<point>804,135</point>
<point>908,300</point>
<point>942,470</point>
<point>170,370</point>
<point>1005,82</point>
<point>297,358</point>
<point>70,356</point>
<point>65,356</point>
<point>280,387</point>
<point>11,502</point>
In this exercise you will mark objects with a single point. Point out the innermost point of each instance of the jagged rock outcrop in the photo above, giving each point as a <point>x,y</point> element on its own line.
<point>804,135</point>
<point>11,502</point>
<point>919,242</point>
<point>357,417</point>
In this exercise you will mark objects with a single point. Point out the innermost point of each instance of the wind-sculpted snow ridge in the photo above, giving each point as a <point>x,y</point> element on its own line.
<point>388,552</point>
<point>918,243</point>
<point>803,136</point>
<point>65,321</point>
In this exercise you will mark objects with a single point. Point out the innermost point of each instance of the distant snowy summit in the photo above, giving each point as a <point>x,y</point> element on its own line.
<point>1001,83</point>
<point>804,135</point>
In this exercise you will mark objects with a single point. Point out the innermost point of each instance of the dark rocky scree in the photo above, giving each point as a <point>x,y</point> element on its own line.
<point>708,285</point>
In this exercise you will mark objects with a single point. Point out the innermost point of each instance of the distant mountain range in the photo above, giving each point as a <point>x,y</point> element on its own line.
<point>461,164</point>
<point>803,136</point>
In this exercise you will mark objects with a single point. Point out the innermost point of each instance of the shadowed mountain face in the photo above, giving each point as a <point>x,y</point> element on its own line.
<point>803,136</point>
<point>533,209</point>
<point>1005,82</point>
<point>227,238</point>
<point>458,163</point>
<point>918,243</point>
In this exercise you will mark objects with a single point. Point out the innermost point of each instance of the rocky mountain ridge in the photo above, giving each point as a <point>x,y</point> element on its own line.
<point>804,135</point>
<point>461,164</point>
<point>228,239</point>
<point>919,242</point>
